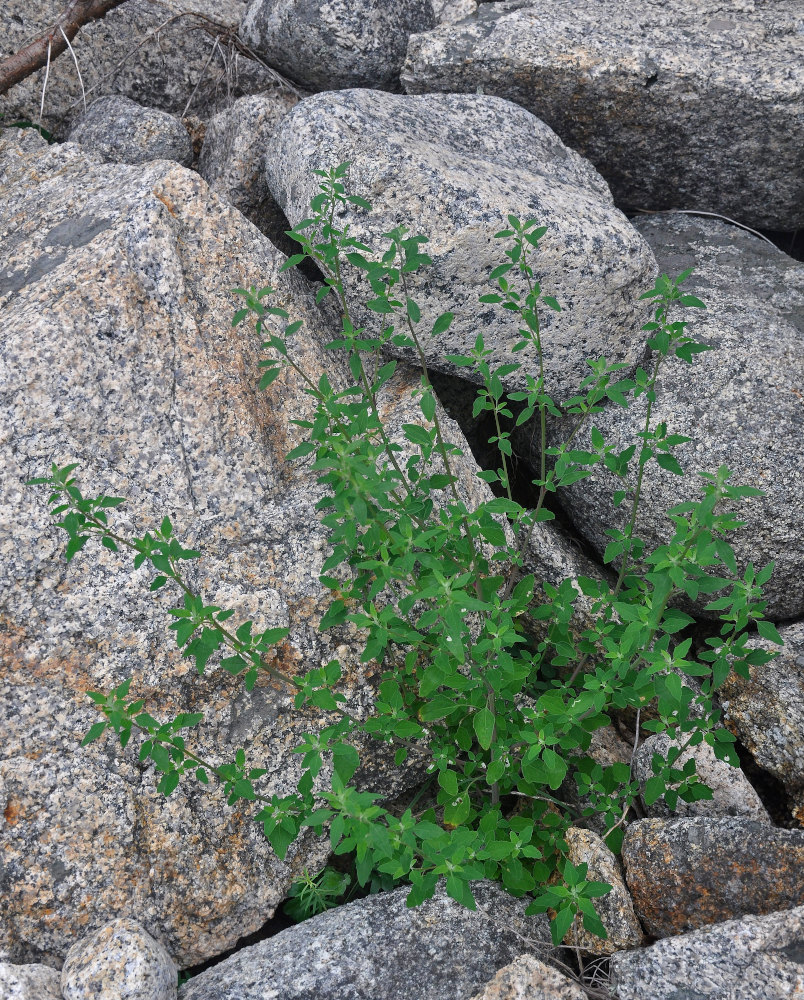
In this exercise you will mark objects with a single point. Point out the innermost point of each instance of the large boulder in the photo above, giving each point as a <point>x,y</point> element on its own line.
<point>378,949</point>
<point>766,712</point>
<point>678,104</point>
<point>118,354</point>
<point>327,46</point>
<point>451,167</point>
<point>160,57</point>
<point>741,404</point>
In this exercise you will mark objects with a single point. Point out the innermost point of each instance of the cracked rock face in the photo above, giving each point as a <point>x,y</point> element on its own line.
<point>678,103</point>
<point>118,354</point>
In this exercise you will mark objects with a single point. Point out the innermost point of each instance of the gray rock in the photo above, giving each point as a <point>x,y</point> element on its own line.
<point>740,404</point>
<point>733,794</point>
<point>452,11</point>
<point>687,873</point>
<point>677,104</point>
<point>767,712</point>
<point>754,958</point>
<point>528,978</point>
<point>141,50</point>
<point>117,130</point>
<point>121,961</point>
<point>378,949</point>
<point>118,353</point>
<point>452,167</point>
<point>29,982</point>
<point>616,910</point>
<point>330,45</point>
<point>231,159</point>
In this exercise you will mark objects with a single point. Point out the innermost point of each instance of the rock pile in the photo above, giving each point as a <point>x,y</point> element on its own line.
<point>119,245</point>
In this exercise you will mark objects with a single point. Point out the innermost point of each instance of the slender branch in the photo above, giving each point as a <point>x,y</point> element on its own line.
<point>52,42</point>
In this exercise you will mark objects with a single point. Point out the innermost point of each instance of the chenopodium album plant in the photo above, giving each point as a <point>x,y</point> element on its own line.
<point>505,721</point>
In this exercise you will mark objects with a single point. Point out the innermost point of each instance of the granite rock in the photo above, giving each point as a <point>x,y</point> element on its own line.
<point>162,56</point>
<point>378,949</point>
<point>29,982</point>
<point>686,873</point>
<point>616,910</point>
<point>733,794</point>
<point>678,104</point>
<point>231,159</point>
<point>528,978</point>
<point>117,130</point>
<point>121,961</point>
<point>451,167</point>
<point>452,11</point>
<point>766,712</point>
<point>753,958</point>
<point>741,404</point>
<point>118,354</point>
<point>330,45</point>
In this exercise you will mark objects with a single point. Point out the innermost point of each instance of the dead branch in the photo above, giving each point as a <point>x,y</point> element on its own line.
<point>54,41</point>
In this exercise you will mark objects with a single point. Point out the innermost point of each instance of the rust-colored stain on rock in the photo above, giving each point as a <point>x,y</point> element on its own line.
<point>688,873</point>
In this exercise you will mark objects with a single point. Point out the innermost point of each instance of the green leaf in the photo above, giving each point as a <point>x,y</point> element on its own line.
<point>483,722</point>
<point>560,925</point>
<point>346,761</point>
<point>95,731</point>
<point>442,324</point>
<point>670,463</point>
<point>300,451</point>
<point>417,434</point>
<point>769,631</point>
<point>448,780</point>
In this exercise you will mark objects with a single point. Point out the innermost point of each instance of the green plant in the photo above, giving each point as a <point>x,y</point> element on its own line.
<point>312,894</point>
<point>503,721</point>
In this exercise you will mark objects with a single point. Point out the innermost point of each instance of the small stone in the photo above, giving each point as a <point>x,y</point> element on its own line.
<point>733,794</point>
<point>616,910</point>
<point>528,978</point>
<point>29,982</point>
<point>117,130</point>
<point>121,961</point>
